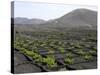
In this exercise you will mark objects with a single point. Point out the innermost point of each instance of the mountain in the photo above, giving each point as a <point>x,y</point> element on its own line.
<point>77,19</point>
<point>25,21</point>
<point>80,17</point>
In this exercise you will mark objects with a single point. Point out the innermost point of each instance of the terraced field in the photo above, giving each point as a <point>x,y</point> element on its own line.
<point>55,50</point>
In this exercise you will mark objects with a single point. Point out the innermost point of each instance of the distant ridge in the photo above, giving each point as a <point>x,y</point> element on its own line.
<point>20,20</point>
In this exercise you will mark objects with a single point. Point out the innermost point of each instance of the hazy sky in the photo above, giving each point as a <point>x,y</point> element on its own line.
<point>44,11</point>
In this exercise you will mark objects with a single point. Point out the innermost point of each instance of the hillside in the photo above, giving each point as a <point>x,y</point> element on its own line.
<point>79,18</point>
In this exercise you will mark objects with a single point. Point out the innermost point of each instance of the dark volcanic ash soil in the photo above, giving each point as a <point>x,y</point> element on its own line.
<point>22,65</point>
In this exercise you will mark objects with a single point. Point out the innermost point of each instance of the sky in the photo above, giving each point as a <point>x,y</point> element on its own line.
<point>45,11</point>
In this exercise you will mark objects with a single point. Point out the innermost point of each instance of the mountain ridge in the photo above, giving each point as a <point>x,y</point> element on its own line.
<point>78,18</point>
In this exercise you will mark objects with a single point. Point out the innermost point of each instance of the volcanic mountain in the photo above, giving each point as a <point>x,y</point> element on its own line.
<point>79,18</point>
<point>76,18</point>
